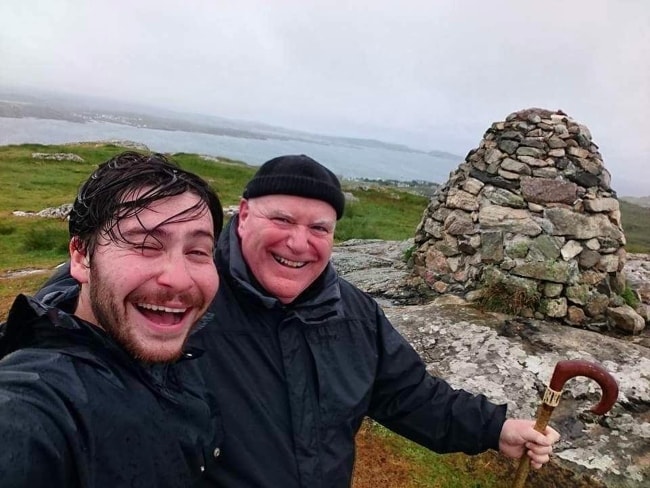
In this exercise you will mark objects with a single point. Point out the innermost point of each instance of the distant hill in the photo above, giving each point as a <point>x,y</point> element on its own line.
<point>636,224</point>
<point>37,117</point>
<point>80,109</point>
<point>640,201</point>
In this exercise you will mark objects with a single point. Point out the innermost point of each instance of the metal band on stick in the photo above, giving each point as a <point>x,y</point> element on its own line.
<point>552,397</point>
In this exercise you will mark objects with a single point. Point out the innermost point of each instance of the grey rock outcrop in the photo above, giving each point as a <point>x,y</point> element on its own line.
<point>61,212</point>
<point>531,207</point>
<point>58,157</point>
<point>511,361</point>
<point>123,143</point>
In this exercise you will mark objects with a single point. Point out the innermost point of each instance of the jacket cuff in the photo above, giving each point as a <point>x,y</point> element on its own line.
<point>495,425</point>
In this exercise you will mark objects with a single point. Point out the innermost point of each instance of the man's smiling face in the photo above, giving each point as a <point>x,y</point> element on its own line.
<point>286,241</point>
<point>148,291</point>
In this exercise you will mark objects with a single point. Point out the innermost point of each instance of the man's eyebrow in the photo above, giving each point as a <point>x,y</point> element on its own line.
<point>275,213</point>
<point>135,232</point>
<point>278,212</point>
<point>198,233</point>
<point>324,222</point>
<point>160,232</point>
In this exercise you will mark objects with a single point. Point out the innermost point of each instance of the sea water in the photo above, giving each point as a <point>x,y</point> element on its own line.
<point>348,160</point>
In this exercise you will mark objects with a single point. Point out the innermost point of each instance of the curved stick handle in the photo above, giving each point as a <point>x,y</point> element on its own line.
<point>564,371</point>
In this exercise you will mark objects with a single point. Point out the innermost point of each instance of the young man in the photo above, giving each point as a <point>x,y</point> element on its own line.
<point>105,394</point>
<point>297,356</point>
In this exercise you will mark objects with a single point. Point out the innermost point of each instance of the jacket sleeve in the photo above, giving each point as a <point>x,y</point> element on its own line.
<point>35,450</point>
<point>426,409</point>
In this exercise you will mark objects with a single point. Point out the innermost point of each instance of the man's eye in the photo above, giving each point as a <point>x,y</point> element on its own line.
<point>281,220</point>
<point>201,252</point>
<point>319,229</point>
<point>148,247</point>
<point>148,244</point>
<point>200,257</point>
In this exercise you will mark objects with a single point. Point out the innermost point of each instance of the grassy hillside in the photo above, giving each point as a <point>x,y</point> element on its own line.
<point>640,201</point>
<point>636,224</point>
<point>29,184</point>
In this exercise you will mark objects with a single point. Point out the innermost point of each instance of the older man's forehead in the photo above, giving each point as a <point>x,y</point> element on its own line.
<point>293,207</point>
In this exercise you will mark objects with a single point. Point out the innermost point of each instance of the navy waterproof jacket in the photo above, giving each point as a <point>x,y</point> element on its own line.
<point>77,411</point>
<point>294,382</point>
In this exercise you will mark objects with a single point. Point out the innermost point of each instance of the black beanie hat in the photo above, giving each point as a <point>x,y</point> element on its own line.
<point>300,176</point>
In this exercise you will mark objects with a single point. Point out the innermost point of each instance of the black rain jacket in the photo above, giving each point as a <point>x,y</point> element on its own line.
<point>77,411</point>
<point>294,382</point>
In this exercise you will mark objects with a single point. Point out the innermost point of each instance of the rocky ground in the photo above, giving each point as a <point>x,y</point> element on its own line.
<point>511,360</point>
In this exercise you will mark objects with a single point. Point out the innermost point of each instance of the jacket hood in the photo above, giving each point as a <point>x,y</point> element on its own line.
<point>322,298</point>
<point>32,323</point>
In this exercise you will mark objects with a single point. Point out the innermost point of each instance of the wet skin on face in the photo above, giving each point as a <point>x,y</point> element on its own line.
<point>147,293</point>
<point>286,241</point>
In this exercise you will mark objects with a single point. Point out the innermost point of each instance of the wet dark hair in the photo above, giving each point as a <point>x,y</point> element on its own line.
<point>127,184</point>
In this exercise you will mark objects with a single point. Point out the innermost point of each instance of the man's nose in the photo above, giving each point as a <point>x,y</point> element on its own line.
<point>175,274</point>
<point>298,240</point>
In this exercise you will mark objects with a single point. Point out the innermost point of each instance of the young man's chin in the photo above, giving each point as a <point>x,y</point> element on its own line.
<point>155,353</point>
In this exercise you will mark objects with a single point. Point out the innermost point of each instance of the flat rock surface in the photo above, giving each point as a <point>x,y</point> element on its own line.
<point>510,360</point>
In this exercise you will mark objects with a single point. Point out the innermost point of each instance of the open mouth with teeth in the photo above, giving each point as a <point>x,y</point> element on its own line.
<point>288,263</point>
<point>164,316</point>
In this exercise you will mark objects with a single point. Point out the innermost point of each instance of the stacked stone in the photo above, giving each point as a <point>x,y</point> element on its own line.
<point>533,206</point>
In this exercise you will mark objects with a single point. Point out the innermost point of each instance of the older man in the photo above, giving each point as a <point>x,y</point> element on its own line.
<point>105,394</point>
<point>297,356</point>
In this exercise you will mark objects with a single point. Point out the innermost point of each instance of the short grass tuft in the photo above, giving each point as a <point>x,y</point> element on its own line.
<point>506,296</point>
<point>630,297</point>
<point>46,237</point>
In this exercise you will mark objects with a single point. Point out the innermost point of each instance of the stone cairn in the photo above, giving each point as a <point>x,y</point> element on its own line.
<point>531,207</point>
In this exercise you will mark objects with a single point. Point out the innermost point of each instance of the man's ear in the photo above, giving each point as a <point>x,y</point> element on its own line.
<point>243,208</point>
<point>79,262</point>
<point>243,211</point>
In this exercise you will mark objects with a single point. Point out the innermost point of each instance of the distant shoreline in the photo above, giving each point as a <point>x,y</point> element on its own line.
<point>353,162</point>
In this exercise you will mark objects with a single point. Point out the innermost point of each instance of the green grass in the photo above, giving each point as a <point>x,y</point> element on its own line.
<point>28,184</point>
<point>636,225</point>
<point>11,287</point>
<point>227,178</point>
<point>437,470</point>
<point>629,297</point>
<point>48,237</point>
<point>31,185</point>
<point>506,294</point>
<point>30,242</point>
<point>381,214</point>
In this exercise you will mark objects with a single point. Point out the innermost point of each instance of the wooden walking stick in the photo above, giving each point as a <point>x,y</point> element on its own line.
<point>564,371</point>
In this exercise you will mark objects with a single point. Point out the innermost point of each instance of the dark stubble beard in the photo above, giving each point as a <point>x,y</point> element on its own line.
<point>111,316</point>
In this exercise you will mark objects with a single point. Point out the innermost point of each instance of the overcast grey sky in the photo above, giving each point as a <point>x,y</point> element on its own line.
<point>430,74</point>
